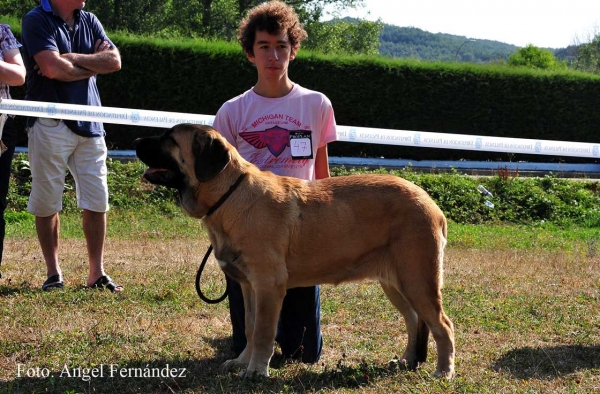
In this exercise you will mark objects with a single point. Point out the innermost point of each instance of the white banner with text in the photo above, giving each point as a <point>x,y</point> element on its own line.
<point>140,117</point>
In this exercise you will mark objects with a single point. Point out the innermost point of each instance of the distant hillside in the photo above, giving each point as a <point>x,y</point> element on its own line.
<point>569,54</point>
<point>412,42</point>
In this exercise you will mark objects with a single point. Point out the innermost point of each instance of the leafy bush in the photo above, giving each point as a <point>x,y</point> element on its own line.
<point>516,200</point>
<point>534,57</point>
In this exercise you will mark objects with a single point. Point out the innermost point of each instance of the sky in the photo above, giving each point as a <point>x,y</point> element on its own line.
<point>543,23</point>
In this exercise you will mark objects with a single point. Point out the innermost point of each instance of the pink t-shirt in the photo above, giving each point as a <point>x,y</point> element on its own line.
<point>282,134</point>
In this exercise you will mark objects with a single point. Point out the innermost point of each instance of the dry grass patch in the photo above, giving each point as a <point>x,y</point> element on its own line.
<point>526,322</point>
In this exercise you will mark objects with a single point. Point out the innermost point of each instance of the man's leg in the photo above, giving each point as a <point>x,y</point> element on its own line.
<point>48,230</point>
<point>50,144</point>
<point>88,168</point>
<point>94,229</point>
<point>299,328</point>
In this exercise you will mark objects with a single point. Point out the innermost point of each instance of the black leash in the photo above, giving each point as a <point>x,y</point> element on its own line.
<point>210,247</point>
<point>199,274</point>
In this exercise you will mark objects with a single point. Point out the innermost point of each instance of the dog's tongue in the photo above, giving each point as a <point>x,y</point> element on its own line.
<point>151,171</point>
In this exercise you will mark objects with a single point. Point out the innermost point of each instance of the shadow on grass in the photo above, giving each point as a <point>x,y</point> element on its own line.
<point>10,289</point>
<point>548,362</point>
<point>184,375</point>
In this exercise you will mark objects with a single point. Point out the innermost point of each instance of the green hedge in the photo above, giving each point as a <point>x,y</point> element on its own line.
<point>198,76</point>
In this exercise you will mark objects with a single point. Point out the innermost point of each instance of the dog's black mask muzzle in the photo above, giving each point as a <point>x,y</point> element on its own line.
<point>163,169</point>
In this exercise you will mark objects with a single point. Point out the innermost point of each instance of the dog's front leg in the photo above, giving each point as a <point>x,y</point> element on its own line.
<point>268,299</point>
<point>243,359</point>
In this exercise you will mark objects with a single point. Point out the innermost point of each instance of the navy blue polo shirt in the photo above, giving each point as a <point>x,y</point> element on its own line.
<point>44,30</point>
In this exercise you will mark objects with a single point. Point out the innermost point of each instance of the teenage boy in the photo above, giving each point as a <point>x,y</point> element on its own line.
<point>284,128</point>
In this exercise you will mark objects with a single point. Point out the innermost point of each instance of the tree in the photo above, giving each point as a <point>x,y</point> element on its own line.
<point>135,16</point>
<point>17,8</point>
<point>534,57</point>
<point>588,56</point>
<point>341,37</point>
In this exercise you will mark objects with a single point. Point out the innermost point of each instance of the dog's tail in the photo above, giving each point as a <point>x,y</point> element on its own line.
<point>444,231</point>
<point>443,241</point>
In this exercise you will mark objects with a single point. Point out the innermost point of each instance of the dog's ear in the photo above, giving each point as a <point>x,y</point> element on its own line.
<point>210,154</point>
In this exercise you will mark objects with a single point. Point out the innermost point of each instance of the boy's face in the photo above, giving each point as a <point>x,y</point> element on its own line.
<point>272,53</point>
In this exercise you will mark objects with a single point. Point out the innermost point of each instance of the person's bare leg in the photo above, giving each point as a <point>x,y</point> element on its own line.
<point>94,229</point>
<point>48,230</point>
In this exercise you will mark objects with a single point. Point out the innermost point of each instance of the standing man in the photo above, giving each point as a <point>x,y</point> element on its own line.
<point>284,128</point>
<point>65,48</point>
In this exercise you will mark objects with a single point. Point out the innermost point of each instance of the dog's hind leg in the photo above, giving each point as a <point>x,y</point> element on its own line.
<point>417,330</point>
<point>422,290</point>
<point>441,327</point>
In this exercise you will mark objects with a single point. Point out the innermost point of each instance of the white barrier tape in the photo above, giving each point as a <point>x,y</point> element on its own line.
<point>126,116</point>
<point>467,142</point>
<point>138,117</point>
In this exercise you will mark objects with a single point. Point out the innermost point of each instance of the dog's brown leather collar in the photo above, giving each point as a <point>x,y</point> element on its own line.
<point>225,196</point>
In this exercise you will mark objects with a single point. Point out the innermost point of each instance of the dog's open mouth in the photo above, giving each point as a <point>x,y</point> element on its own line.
<point>163,177</point>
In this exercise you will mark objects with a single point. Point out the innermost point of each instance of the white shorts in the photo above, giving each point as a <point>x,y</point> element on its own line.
<point>53,148</point>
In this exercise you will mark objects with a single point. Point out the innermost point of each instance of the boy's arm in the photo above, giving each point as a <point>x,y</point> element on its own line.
<point>322,163</point>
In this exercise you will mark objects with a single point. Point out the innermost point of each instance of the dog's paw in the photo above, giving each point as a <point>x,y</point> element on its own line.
<point>254,374</point>
<point>442,374</point>
<point>232,365</point>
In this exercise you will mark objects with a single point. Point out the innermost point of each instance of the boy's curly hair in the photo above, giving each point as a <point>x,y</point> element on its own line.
<point>274,17</point>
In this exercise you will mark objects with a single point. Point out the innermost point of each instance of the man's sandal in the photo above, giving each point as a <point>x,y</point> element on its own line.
<point>106,282</point>
<point>53,282</point>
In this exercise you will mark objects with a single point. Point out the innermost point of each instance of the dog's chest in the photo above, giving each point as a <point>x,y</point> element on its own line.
<point>231,262</point>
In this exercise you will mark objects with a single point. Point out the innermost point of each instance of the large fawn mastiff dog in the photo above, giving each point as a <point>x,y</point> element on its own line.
<point>272,233</point>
